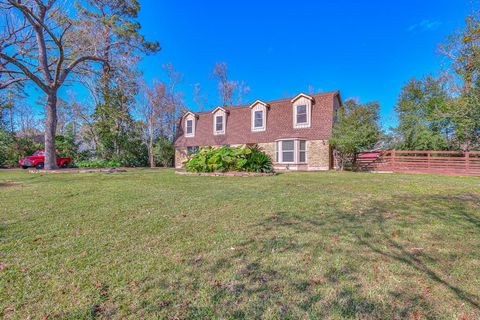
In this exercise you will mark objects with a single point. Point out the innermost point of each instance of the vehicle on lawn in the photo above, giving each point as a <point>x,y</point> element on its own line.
<point>37,160</point>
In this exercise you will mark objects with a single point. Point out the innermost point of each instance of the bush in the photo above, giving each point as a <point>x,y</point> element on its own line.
<point>14,148</point>
<point>98,164</point>
<point>66,146</point>
<point>164,152</point>
<point>224,159</point>
<point>5,142</point>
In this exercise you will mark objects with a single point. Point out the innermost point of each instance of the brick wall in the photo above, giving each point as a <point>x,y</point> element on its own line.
<point>269,149</point>
<point>180,157</point>
<point>318,154</point>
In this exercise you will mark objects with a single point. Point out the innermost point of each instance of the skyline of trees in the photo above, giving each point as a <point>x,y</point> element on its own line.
<point>119,116</point>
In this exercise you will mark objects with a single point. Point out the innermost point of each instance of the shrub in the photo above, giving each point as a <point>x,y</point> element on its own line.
<point>5,141</point>
<point>14,148</point>
<point>98,164</point>
<point>224,159</point>
<point>164,152</point>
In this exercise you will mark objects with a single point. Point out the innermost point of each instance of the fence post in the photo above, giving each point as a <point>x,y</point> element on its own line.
<point>428,159</point>
<point>467,160</point>
<point>393,159</point>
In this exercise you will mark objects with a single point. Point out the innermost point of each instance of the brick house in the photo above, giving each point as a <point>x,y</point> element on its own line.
<point>294,132</point>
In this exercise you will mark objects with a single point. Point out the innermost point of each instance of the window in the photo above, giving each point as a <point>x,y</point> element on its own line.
<point>258,119</point>
<point>288,151</point>
<point>302,117</point>
<point>189,126</point>
<point>192,150</point>
<point>302,151</point>
<point>219,120</point>
<point>291,151</point>
<point>258,115</point>
<point>219,123</point>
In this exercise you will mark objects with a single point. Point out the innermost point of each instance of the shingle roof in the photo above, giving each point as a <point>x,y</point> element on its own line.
<point>279,124</point>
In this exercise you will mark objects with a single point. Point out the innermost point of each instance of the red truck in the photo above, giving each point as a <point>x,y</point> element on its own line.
<point>37,160</point>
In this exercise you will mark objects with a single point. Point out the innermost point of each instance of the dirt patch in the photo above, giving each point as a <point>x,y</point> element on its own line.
<point>9,184</point>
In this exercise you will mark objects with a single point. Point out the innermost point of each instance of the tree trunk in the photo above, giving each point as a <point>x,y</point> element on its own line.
<point>50,130</point>
<point>150,145</point>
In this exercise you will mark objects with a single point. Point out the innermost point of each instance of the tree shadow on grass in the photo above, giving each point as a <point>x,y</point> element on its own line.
<point>455,211</point>
<point>399,253</point>
<point>260,286</point>
<point>7,184</point>
<point>294,264</point>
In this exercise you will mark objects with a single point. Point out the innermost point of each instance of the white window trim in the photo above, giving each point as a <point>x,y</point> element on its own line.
<point>264,119</point>
<point>188,118</point>
<point>258,106</point>
<point>296,151</point>
<point>224,122</point>
<point>299,100</point>
<point>308,107</point>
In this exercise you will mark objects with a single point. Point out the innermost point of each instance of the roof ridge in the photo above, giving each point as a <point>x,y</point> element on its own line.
<point>268,102</point>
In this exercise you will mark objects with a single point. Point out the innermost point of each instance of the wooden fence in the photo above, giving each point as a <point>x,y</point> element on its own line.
<point>439,162</point>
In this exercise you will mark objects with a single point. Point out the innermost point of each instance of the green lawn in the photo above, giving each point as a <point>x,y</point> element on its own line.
<point>152,244</point>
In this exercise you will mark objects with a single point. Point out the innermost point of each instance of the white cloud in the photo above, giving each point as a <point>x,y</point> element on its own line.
<point>425,25</point>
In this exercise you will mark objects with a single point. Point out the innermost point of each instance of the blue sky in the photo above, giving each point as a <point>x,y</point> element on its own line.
<point>365,49</point>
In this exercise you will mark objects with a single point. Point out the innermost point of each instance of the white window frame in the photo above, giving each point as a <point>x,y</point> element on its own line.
<point>302,100</point>
<point>297,114</point>
<point>256,107</point>
<point>296,151</point>
<point>219,113</point>
<point>190,117</point>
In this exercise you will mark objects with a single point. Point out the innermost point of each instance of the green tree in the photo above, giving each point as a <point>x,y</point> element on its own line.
<point>164,152</point>
<point>357,129</point>
<point>67,145</point>
<point>463,51</point>
<point>116,85</point>
<point>423,109</point>
<point>6,140</point>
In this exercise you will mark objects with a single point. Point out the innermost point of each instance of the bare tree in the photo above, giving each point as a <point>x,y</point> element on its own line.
<point>150,107</point>
<point>199,98</point>
<point>228,90</point>
<point>174,105</point>
<point>225,86</point>
<point>43,42</point>
<point>28,123</point>
<point>241,91</point>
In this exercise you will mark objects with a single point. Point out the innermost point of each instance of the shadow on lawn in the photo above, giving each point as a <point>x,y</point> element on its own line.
<point>261,288</point>
<point>455,211</point>
<point>293,265</point>
<point>7,184</point>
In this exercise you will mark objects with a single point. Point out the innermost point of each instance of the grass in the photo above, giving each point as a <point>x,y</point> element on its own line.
<point>152,244</point>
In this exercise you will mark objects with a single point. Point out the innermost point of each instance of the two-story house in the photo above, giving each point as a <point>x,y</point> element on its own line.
<point>294,132</point>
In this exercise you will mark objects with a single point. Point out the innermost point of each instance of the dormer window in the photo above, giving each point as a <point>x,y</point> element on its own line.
<point>301,114</point>
<point>219,124</point>
<point>189,125</point>
<point>258,120</point>
<point>259,116</point>
<point>302,111</point>
<point>219,120</point>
